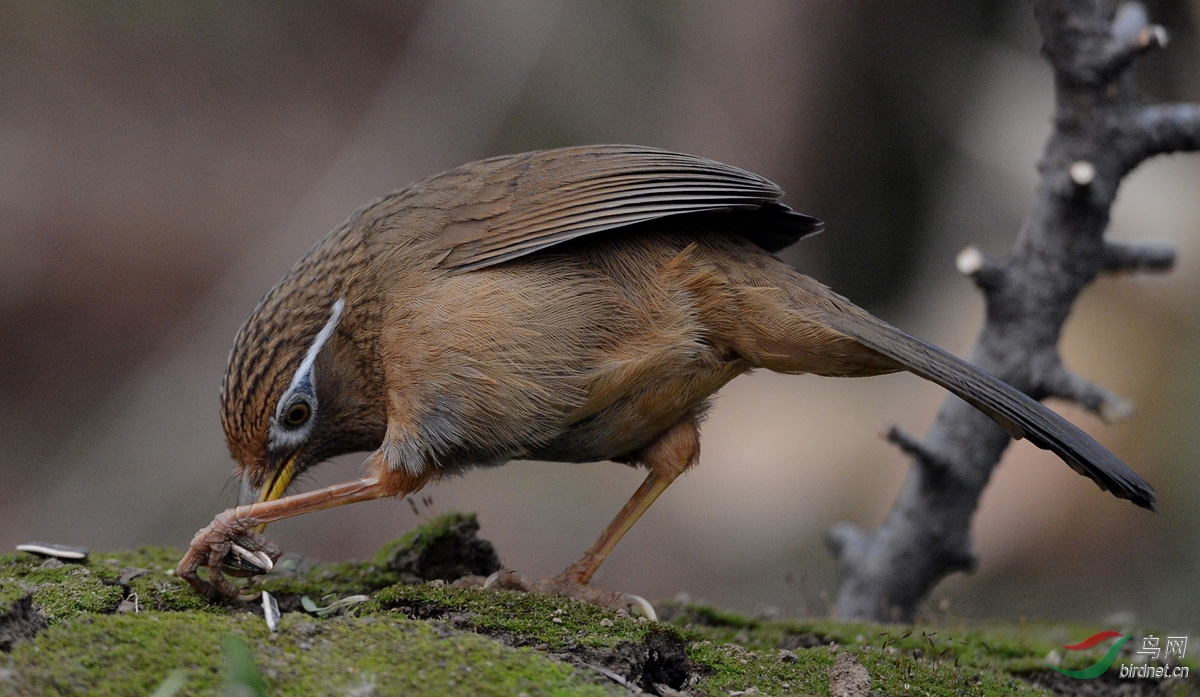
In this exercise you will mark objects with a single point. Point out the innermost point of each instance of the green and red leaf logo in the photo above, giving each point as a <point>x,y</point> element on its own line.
<point>1104,663</point>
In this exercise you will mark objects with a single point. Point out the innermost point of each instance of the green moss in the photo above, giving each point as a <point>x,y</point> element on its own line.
<point>31,569</point>
<point>537,619</point>
<point>131,654</point>
<point>78,593</point>
<point>401,640</point>
<point>341,579</point>
<point>976,660</point>
<point>11,591</point>
<point>733,652</point>
<point>806,671</point>
<point>12,564</point>
<point>168,594</point>
<point>160,560</point>
<point>68,589</point>
<point>123,654</point>
<point>690,614</point>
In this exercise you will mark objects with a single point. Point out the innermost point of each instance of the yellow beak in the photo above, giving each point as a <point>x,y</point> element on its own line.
<point>278,484</point>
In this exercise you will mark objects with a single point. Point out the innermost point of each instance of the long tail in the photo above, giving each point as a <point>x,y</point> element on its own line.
<point>1016,412</point>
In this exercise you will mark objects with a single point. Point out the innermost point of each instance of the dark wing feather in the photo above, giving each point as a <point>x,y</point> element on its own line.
<point>552,196</point>
<point>1017,413</point>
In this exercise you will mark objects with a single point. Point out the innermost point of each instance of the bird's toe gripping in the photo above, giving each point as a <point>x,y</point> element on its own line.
<point>229,545</point>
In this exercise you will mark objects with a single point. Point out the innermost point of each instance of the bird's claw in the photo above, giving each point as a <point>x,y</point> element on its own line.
<point>229,545</point>
<point>563,585</point>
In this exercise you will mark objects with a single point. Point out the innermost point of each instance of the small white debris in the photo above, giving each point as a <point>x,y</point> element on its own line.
<point>969,261</point>
<point>606,622</point>
<point>615,677</point>
<point>336,607</point>
<point>270,612</point>
<point>647,609</point>
<point>46,549</point>
<point>1082,172</point>
<point>1115,410</point>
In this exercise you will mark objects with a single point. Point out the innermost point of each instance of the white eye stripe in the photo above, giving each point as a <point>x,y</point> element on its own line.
<point>303,382</point>
<point>305,370</point>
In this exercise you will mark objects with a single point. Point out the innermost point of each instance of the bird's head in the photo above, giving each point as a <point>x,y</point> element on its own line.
<point>297,392</point>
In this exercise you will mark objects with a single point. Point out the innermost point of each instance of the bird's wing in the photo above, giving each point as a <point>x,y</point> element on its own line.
<point>523,203</point>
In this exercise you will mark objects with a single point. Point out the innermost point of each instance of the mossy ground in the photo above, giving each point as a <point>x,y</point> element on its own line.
<point>121,623</point>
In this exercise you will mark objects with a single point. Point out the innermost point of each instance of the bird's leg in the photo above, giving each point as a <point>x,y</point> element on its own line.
<point>672,454</point>
<point>237,525</point>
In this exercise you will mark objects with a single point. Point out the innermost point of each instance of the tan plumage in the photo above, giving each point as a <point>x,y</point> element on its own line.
<point>570,305</point>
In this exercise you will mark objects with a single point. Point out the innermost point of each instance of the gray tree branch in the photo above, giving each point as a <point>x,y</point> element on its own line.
<point>1101,132</point>
<point>1161,129</point>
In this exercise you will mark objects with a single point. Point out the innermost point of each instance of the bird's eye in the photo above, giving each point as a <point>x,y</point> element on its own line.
<point>296,415</point>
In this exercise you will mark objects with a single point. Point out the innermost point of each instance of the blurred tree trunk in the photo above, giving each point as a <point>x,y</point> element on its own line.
<point>1102,130</point>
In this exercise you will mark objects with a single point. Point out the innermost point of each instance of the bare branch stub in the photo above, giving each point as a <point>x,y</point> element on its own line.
<point>919,451</point>
<point>1097,399</point>
<point>1126,257</point>
<point>1160,129</point>
<point>1101,132</point>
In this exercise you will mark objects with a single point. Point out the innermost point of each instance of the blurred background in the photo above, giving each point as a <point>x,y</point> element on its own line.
<point>163,164</point>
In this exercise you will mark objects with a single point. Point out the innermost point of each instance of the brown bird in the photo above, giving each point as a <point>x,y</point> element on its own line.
<point>569,305</point>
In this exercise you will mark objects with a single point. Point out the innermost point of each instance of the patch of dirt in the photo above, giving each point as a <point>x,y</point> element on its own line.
<point>659,660</point>
<point>448,555</point>
<point>421,610</point>
<point>1107,685</point>
<point>666,661</point>
<point>21,622</point>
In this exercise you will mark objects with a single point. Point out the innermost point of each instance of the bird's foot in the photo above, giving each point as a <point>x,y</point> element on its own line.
<point>229,545</point>
<point>564,585</point>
